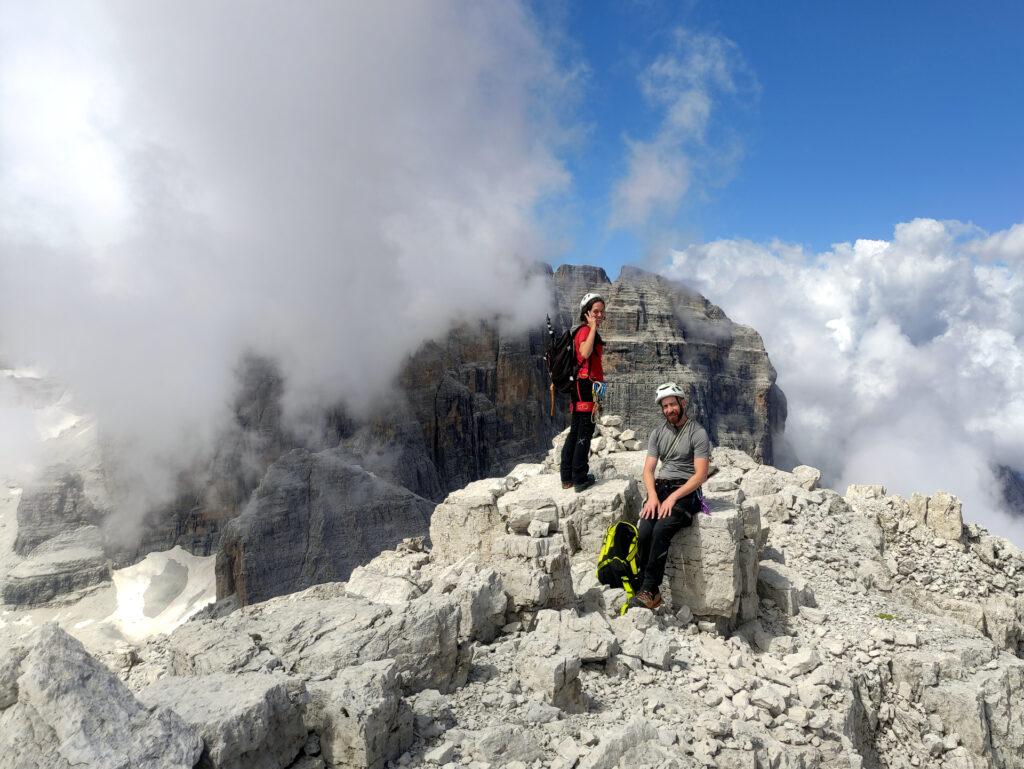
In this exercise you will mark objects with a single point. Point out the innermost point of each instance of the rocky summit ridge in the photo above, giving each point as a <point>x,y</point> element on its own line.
<point>277,508</point>
<point>475,402</point>
<point>802,628</point>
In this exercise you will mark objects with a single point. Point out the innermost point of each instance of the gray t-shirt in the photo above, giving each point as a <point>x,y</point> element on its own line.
<point>690,442</point>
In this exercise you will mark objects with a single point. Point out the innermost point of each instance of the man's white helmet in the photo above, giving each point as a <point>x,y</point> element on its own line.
<point>667,389</point>
<point>589,298</point>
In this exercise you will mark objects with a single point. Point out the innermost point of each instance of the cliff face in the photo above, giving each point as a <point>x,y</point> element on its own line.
<point>312,519</point>
<point>658,330</point>
<point>476,402</point>
<point>480,398</point>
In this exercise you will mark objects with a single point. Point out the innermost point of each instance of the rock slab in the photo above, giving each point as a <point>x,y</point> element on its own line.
<point>72,711</point>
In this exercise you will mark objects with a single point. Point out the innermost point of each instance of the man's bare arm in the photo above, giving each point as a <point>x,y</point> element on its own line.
<point>651,505</point>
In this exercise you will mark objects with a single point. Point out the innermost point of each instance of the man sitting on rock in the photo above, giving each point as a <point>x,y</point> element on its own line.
<point>673,499</point>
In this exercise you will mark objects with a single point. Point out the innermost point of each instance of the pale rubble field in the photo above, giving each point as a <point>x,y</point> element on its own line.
<point>802,629</point>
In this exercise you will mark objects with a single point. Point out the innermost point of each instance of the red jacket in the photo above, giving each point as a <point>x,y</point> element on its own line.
<point>590,370</point>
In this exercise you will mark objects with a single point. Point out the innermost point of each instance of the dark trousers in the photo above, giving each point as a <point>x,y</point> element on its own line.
<point>656,534</point>
<point>576,451</point>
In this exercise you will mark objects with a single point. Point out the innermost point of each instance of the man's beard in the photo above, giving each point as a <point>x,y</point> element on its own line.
<point>678,419</point>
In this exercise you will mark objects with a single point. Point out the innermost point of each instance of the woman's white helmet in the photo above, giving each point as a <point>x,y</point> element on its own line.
<point>589,298</point>
<point>667,389</point>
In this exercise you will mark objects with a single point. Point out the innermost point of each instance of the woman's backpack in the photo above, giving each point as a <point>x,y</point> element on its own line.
<point>616,563</point>
<point>561,358</point>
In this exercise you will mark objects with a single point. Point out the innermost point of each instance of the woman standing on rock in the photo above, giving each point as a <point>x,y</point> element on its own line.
<point>587,343</point>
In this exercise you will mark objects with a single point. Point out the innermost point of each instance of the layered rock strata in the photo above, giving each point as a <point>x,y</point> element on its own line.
<point>313,518</point>
<point>659,330</point>
<point>67,563</point>
<point>475,403</point>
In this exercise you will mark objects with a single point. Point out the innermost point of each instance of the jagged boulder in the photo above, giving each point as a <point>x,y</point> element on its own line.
<point>322,631</point>
<point>713,565</point>
<point>360,716</point>
<point>589,637</point>
<point>247,721</point>
<point>467,521</point>
<point>534,569</point>
<point>550,660</point>
<point>766,480</point>
<point>784,586</point>
<point>941,512</point>
<point>72,711</point>
<point>972,691</point>
<point>313,519</point>
<point>481,596</point>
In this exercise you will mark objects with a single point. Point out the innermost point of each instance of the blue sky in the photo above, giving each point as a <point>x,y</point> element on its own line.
<point>847,118</point>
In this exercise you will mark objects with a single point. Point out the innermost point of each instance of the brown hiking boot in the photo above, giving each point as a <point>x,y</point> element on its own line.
<point>645,600</point>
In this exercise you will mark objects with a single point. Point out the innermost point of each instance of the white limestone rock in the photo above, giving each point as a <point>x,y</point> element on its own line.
<point>588,637</point>
<point>481,596</point>
<point>784,586</point>
<point>537,582</point>
<point>860,492</point>
<point>467,521</point>
<point>773,508</point>
<point>712,567</point>
<point>653,647</point>
<point>766,480</point>
<point>381,588</point>
<point>521,472</point>
<point>530,501</point>
<point>538,528</point>
<point>72,711</point>
<point>247,721</point>
<point>360,716</point>
<point>723,457</point>
<point>801,662</point>
<point>945,516</point>
<point>807,477</point>
<point>321,631</point>
<point>622,744</point>
<point>551,672</point>
<point>432,713</point>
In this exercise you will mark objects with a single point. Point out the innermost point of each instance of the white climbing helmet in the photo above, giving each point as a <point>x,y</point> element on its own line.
<point>667,389</point>
<point>589,298</point>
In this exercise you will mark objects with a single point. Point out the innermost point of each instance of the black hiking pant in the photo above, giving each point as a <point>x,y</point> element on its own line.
<point>576,451</point>
<point>655,534</point>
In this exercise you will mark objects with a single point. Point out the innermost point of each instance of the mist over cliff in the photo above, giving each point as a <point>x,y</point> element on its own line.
<point>326,185</point>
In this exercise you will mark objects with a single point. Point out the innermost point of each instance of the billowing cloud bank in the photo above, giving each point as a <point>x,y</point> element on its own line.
<point>327,183</point>
<point>903,360</point>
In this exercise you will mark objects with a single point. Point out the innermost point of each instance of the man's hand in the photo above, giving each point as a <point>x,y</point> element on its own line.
<point>665,508</point>
<point>650,507</point>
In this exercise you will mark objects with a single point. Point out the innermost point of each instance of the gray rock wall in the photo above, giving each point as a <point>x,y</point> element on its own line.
<point>658,330</point>
<point>313,518</point>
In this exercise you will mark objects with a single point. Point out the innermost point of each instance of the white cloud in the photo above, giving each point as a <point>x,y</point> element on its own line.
<point>685,84</point>
<point>328,183</point>
<point>901,360</point>
<point>1006,246</point>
